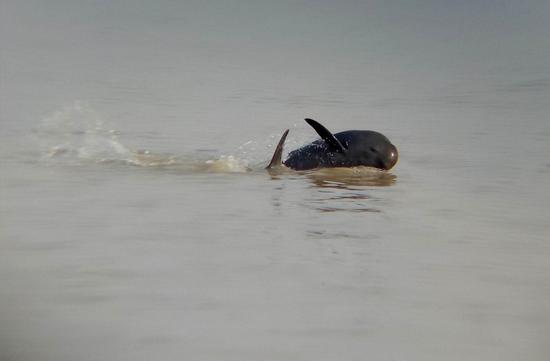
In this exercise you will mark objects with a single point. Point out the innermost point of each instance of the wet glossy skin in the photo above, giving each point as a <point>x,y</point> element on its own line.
<point>364,148</point>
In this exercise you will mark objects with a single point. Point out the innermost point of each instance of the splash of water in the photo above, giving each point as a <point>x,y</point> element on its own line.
<point>228,164</point>
<point>77,134</point>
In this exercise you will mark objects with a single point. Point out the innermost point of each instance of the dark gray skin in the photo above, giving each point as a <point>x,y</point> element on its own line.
<point>363,148</point>
<point>351,148</point>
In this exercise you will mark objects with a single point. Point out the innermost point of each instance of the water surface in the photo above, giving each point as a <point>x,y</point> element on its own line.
<point>137,222</point>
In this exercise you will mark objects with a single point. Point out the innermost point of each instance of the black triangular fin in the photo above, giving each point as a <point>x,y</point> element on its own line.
<point>278,154</point>
<point>329,138</point>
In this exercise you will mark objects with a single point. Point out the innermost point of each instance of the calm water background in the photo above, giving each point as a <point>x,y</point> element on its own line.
<point>137,223</point>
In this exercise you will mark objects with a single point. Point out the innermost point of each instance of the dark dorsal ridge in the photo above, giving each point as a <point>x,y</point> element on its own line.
<point>329,138</point>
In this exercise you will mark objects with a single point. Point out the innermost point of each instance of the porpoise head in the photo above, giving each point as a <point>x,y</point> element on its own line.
<point>368,148</point>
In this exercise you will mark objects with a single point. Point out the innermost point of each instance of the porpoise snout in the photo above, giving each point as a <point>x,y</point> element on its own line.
<point>392,157</point>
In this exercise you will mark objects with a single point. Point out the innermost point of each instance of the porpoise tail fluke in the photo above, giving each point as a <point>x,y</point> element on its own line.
<point>276,160</point>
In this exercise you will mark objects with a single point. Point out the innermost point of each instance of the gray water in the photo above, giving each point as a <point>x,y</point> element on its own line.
<point>137,222</point>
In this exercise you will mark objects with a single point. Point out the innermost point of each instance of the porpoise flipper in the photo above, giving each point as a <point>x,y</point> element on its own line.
<point>276,160</point>
<point>325,134</point>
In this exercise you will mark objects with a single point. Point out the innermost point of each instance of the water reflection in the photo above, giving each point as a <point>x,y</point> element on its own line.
<point>349,210</point>
<point>343,189</point>
<point>341,199</point>
<point>340,189</point>
<point>344,178</point>
<point>341,178</point>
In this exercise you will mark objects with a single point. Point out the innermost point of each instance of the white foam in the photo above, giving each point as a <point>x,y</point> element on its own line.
<point>227,164</point>
<point>78,132</point>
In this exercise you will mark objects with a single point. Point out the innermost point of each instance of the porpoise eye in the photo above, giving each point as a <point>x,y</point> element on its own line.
<point>373,150</point>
